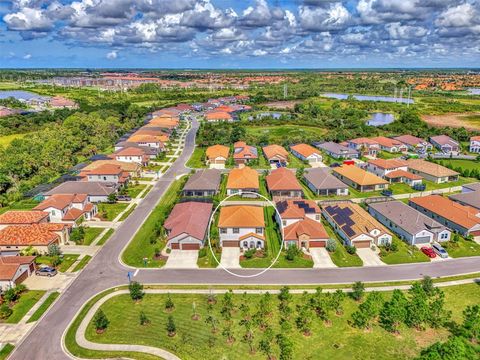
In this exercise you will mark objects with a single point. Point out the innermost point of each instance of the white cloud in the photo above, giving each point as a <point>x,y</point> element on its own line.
<point>259,52</point>
<point>27,56</point>
<point>112,55</point>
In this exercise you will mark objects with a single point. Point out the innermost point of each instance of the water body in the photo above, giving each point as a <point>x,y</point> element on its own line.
<point>20,95</point>
<point>369,98</point>
<point>379,119</point>
<point>474,91</point>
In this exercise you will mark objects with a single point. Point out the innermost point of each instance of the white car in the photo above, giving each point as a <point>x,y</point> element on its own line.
<point>440,251</point>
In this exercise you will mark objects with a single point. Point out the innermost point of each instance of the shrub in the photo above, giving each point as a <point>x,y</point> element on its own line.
<point>292,252</point>
<point>249,253</point>
<point>144,320</point>
<point>202,252</point>
<point>78,234</point>
<point>331,245</point>
<point>169,305</point>
<point>171,328</point>
<point>136,290</point>
<point>5,311</point>
<point>351,249</point>
<point>358,290</point>
<point>100,320</point>
<point>11,295</point>
<point>54,250</point>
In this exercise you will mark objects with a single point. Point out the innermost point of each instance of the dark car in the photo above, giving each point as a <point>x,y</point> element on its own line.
<point>387,192</point>
<point>123,198</point>
<point>334,165</point>
<point>419,187</point>
<point>428,251</point>
<point>46,271</point>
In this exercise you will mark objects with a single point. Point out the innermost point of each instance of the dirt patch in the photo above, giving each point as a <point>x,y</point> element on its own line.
<point>282,105</point>
<point>468,121</point>
<point>429,336</point>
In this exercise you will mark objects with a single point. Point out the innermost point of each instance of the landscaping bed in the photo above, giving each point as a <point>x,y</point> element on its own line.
<point>340,256</point>
<point>24,303</point>
<point>66,261</point>
<point>403,254</point>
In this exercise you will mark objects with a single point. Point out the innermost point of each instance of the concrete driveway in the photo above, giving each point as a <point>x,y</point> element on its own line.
<point>57,282</point>
<point>369,257</point>
<point>230,258</point>
<point>182,259</point>
<point>321,258</point>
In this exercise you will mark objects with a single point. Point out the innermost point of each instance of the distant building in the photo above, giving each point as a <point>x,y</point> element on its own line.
<point>337,151</point>
<point>445,144</point>
<point>359,179</point>
<point>475,144</point>
<point>243,153</point>
<point>306,153</point>
<point>216,156</point>
<point>323,183</point>
<point>276,154</point>
<point>414,143</point>
<point>433,172</point>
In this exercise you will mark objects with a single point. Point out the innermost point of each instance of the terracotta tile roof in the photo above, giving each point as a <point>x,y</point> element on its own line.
<point>282,179</point>
<point>363,140</point>
<point>241,216</point>
<point>307,226</point>
<point>402,173</point>
<point>190,218</point>
<point>218,115</point>
<point>297,209</point>
<point>305,150</point>
<point>13,217</point>
<point>139,138</point>
<point>273,150</point>
<point>475,138</point>
<point>130,151</point>
<point>106,169</point>
<point>387,142</point>
<point>244,178</point>
<point>125,166</point>
<point>61,201</point>
<point>358,176</point>
<point>243,151</point>
<point>388,163</point>
<point>430,168</point>
<point>73,214</point>
<point>36,234</point>
<point>150,132</point>
<point>410,140</point>
<point>465,216</point>
<point>246,236</point>
<point>10,264</point>
<point>216,151</point>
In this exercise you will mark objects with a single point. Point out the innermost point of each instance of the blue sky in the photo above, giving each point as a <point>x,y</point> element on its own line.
<point>240,34</point>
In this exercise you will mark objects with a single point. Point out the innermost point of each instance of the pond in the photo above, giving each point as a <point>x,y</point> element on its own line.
<point>379,119</point>
<point>369,98</point>
<point>20,95</point>
<point>474,91</point>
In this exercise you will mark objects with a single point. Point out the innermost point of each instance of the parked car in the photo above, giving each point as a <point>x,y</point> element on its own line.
<point>46,271</point>
<point>123,198</point>
<point>334,165</point>
<point>387,192</point>
<point>440,251</point>
<point>419,187</point>
<point>428,251</point>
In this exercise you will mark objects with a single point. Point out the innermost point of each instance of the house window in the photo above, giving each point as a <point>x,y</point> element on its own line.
<point>317,217</point>
<point>223,231</point>
<point>444,236</point>
<point>284,222</point>
<point>259,230</point>
<point>236,230</point>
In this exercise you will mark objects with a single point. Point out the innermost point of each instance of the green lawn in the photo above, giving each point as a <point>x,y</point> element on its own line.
<point>82,263</point>
<point>127,213</point>
<point>338,341</point>
<point>7,349</point>
<point>341,257</point>
<point>147,190</point>
<point>404,254</point>
<point>43,308</point>
<point>111,211</point>
<point>388,155</point>
<point>435,186</point>
<point>27,300</point>
<point>277,134</point>
<point>27,204</point>
<point>105,237</point>
<point>462,248</point>
<point>195,160</point>
<point>141,245</point>
<point>91,234</point>
<point>208,261</point>
<point>460,163</point>
<point>134,190</point>
<point>295,163</point>
<point>68,260</point>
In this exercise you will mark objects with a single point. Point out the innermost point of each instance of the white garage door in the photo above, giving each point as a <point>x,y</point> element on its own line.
<point>422,240</point>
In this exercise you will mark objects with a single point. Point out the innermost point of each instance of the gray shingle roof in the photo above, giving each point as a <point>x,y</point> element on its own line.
<point>335,148</point>
<point>91,188</point>
<point>208,179</point>
<point>321,178</point>
<point>471,198</point>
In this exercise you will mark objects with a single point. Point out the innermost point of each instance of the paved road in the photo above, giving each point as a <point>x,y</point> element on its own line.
<point>104,271</point>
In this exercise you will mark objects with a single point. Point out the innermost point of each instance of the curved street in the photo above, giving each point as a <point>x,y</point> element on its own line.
<point>105,271</point>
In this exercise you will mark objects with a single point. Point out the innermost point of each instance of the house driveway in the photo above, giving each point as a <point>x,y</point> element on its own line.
<point>57,282</point>
<point>230,258</point>
<point>369,257</point>
<point>182,259</point>
<point>321,258</point>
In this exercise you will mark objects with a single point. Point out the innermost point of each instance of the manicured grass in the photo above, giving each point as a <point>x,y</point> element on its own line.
<point>462,248</point>
<point>388,155</point>
<point>295,163</point>
<point>195,160</point>
<point>461,181</point>
<point>460,163</point>
<point>27,300</point>
<point>141,247</point>
<point>20,205</point>
<point>82,263</point>
<point>337,341</point>
<point>128,212</point>
<point>134,190</point>
<point>7,350</point>
<point>278,133</point>
<point>111,211</point>
<point>43,308</point>
<point>208,261</point>
<point>341,257</point>
<point>68,260</point>
<point>91,234</point>
<point>147,190</point>
<point>105,237</point>
<point>404,254</point>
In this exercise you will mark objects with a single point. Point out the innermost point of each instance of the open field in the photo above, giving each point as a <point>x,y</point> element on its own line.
<point>469,121</point>
<point>277,134</point>
<point>282,105</point>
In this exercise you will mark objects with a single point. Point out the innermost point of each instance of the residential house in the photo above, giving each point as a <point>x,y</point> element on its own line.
<point>468,188</point>
<point>475,144</point>
<point>356,226</point>
<point>203,183</point>
<point>243,153</point>
<point>23,217</point>
<point>155,141</point>
<point>364,146</point>
<point>132,155</point>
<point>106,173</point>
<point>14,270</point>
<point>390,145</point>
<point>461,218</point>
<point>95,191</point>
<point>445,144</point>
<point>59,102</point>
<point>323,183</point>
<point>242,226</point>
<point>382,167</point>
<point>414,143</point>
<point>337,151</point>
<point>282,184</point>
<point>187,225</point>
<point>307,153</point>
<point>217,155</point>
<point>470,195</point>
<point>241,180</point>
<point>133,169</point>
<point>150,152</point>
<point>359,179</point>
<point>216,116</point>
<point>68,208</point>
<point>276,154</point>
<point>430,171</point>
<point>409,224</point>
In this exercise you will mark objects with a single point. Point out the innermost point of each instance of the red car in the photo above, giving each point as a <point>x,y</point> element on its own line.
<point>428,251</point>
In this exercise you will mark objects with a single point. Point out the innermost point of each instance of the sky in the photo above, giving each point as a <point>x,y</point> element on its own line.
<point>239,34</point>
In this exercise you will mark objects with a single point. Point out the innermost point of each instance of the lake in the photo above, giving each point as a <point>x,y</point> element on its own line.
<point>369,98</point>
<point>474,91</point>
<point>379,119</point>
<point>20,95</point>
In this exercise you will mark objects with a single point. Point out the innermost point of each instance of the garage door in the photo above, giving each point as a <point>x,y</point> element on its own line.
<point>361,244</point>
<point>230,243</point>
<point>422,240</point>
<point>190,246</point>
<point>175,246</point>
<point>315,244</point>
<point>21,277</point>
